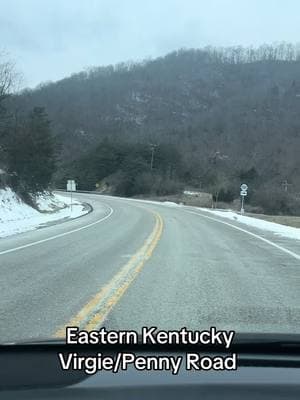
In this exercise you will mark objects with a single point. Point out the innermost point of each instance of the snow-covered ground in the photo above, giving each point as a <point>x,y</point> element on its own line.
<point>277,229</point>
<point>17,217</point>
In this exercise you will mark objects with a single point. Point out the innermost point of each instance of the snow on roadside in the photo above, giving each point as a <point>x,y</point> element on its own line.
<point>191,193</point>
<point>277,229</point>
<point>50,202</point>
<point>170,204</point>
<point>17,217</point>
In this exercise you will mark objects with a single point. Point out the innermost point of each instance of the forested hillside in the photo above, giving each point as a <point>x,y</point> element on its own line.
<point>27,145</point>
<point>216,117</point>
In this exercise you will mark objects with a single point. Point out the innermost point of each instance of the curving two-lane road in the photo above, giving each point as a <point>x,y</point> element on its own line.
<point>131,263</point>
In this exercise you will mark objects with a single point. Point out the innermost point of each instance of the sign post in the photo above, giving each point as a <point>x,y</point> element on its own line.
<point>71,187</point>
<point>243,193</point>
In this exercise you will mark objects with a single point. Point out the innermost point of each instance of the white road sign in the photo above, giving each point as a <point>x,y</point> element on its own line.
<point>243,193</point>
<point>71,186</point>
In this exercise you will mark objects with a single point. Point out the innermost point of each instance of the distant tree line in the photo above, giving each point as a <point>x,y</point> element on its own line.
<point>129,168</point>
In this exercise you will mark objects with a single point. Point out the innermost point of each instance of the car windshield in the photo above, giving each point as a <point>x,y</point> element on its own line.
<point>149,167</point>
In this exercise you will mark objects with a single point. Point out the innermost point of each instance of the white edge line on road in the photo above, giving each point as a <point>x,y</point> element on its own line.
<point>59,235</point>
<point>291,253</point>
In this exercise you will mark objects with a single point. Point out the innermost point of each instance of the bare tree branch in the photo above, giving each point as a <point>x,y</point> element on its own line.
<point>9,77</point>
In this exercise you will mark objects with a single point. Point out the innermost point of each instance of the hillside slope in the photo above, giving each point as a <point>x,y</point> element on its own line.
<point>236,110</point>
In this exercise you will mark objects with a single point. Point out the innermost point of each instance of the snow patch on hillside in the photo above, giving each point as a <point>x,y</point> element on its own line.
<point>49,202</point>
<point>277,229</point>
<point>17,217</point>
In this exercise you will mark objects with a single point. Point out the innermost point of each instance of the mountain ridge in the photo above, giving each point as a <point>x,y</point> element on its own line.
<point>237,104</point>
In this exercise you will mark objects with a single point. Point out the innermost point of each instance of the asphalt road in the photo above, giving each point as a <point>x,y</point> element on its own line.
<point>130,264</point>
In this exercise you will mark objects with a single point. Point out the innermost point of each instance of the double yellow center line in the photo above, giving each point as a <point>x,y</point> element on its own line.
<point>94,313</point>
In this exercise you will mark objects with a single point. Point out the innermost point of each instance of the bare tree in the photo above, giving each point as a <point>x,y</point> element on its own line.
<point>9,77</point>
<point>9,80</point>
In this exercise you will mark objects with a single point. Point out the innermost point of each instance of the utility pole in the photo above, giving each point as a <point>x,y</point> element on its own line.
<point>152,147</point>
<point>285,185</point>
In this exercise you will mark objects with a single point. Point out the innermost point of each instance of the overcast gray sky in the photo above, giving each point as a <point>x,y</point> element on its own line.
<point>50,39</point>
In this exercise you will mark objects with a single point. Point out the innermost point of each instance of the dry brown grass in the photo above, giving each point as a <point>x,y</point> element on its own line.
<point>279,219</point>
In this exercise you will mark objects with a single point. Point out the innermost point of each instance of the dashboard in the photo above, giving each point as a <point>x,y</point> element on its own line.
<point>34,372</point>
